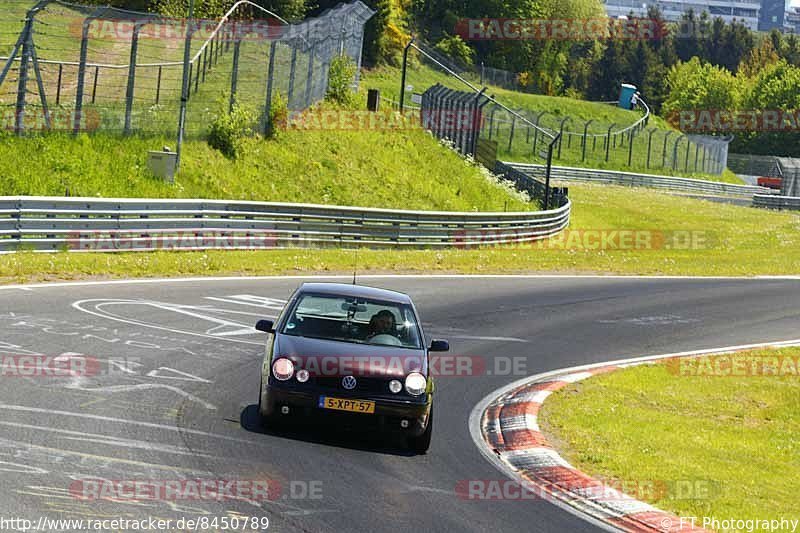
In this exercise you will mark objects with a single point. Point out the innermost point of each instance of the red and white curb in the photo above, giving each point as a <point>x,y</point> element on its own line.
<point>505,428</point>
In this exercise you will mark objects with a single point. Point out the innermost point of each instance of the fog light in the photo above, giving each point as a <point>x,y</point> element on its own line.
<point>404,424</point>
<point>302,376</point>
<point>395,386</point>
<point>285,410</point>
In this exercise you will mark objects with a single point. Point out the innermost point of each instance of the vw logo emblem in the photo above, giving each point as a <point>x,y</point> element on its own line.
<point>349,382</point>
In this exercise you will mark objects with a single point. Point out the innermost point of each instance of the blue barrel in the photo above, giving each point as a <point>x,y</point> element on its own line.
<point>626,92</point>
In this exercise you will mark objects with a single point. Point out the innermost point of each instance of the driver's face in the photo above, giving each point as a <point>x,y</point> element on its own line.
<point>383,324</point>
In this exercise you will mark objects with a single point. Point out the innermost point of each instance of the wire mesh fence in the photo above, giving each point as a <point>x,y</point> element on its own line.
<point>524,134</point>
<point>69,67</point>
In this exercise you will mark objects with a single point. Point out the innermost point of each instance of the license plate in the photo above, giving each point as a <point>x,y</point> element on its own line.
<point>341,404</point>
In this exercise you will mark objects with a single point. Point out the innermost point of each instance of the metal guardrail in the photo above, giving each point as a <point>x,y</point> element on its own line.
<point>777,202</point>
<point>92,224</point>
<point>687,185</point>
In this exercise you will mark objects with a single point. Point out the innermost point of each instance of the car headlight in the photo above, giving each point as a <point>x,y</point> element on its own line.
<point>395,386</point>
<point>302,375</point>
<point>416,384</point>
<point>282,369</point>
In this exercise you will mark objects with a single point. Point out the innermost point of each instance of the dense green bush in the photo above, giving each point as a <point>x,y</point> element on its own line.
<point>228,130</point>
<point>340,80</point>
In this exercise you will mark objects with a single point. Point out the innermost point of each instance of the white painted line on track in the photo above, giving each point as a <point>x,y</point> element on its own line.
<point>477,412</point>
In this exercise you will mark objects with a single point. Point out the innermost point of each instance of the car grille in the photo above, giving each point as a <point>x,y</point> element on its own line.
<point>363,385</point>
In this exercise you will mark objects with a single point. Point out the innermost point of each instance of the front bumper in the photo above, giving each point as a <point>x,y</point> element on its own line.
<point>388,416</point>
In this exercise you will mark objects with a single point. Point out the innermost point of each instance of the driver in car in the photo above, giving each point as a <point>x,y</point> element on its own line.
<point>382,323</point>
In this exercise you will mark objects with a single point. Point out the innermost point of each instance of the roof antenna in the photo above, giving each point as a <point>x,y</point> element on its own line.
<point>355,266</point>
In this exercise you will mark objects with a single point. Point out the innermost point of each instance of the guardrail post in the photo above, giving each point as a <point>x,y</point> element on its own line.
<point>129,93</point>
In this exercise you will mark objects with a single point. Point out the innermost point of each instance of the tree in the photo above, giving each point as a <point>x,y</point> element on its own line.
<point>701,87</point>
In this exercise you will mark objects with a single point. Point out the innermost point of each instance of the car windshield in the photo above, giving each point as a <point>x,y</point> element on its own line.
<point>350,319</point>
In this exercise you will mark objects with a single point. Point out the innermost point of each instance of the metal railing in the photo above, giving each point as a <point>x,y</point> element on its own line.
<point>48,224</point>
<point>789,203</point>
<point>686,185</point>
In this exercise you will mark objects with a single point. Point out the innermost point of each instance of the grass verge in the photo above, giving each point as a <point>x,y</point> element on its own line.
<point>393,169</point>
<point>515,143</point>
<point>732,438</point>
<point>741,242</point>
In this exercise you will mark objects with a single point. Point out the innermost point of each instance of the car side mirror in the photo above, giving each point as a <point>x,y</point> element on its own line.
<point>439,346</point>
<point>267,326</point>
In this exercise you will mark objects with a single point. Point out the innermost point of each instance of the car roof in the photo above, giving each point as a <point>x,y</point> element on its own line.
<point>357,291</point>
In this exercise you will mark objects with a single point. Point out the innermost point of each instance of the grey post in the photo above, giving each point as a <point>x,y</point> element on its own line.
<point>82,72</point>
<point>664,151</point>
<point>608,140</point>
<point>585,138</point>
<point>186,81</point>
<point>292,71</point>
<point>129,93</point>
<point>649,144</point>
<point>270,79</point>
<point>237,45</point>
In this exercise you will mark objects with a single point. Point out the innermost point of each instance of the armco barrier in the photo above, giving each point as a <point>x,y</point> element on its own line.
<point>685,185</point>
<point>95,224</point>
<point>777,202</point>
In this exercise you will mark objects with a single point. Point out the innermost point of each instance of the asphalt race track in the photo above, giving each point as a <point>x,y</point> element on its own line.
<point>180,403</point>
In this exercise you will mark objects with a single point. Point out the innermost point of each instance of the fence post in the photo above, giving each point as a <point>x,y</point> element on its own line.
<point>186,82</point>
<point>511,133</point>
<point>561,134</point>
<point>129,93</point>
<point>664,150</point>
<point>235,72</point>
<point>292,71</point>
<point>608,140</point>
<point>548,168</point>
<point>491,121</point>
<point>158,85</point>
<point>81,75</point>
<point>477,116</point>
<point>310,74</point>
<point>650,144</point>
<point>58,86</point>
<point>675,152</point>
<point>536,131</point>
<point>403,74</point>
<point>585,138</point>
<point>630,146</point>
<point>686,162</point>
<point>22,81</point>
<point>270,77</point>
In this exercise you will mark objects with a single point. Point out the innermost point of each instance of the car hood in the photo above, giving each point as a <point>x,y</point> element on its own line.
<point>336,359</point>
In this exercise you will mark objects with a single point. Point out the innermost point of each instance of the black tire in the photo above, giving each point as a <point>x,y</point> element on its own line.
<point>263,420</point>
<point>420,445</point>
